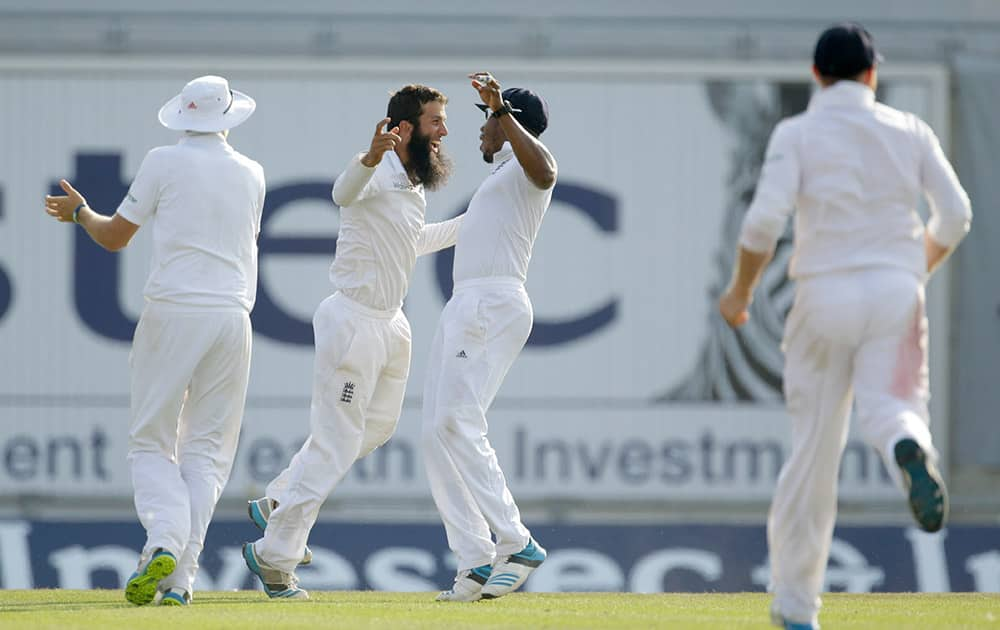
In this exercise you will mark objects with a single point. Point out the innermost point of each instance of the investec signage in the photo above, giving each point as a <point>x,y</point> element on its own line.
<point>414,557</point>
<point>631,386</point>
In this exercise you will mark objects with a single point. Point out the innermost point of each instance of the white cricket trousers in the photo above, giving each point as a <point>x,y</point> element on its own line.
<point>359,378</point>
<point>190,368</point>
<point>482,329</point>
<point>857,335</point>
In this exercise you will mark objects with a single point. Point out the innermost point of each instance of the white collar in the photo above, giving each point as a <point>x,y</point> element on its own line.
<point>845,93</point>
<point>501,156</point>
<point>191,137</point>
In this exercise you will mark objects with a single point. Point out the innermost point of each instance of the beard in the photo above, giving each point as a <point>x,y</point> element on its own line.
<point>430,169</point>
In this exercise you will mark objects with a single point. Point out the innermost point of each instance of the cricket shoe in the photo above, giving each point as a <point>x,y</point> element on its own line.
<point>511,572</point>
<point>778,620</point>
<point>141,587</point>
<point>468,586</point>
<point>928,496</point>
<point>277,583</point>
<point>260,511</point>
<point>175,597</point>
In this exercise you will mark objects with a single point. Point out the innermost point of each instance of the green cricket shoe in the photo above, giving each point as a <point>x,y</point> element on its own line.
<point>142,585</point>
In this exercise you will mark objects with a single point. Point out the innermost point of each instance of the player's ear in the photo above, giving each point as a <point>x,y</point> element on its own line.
<point>405,130</point>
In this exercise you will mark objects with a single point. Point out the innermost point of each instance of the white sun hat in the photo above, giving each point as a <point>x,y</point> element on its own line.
<point>206,104</point>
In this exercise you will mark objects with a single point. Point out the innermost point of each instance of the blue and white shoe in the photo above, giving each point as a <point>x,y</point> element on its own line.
<point>175,597</point>
<point>141,587</point>
<point>928,496</point>
<point>777,619</point>
<point>260,511</point>
<point>277,584</point>
<point>468,586</point>
<point>511,572</point>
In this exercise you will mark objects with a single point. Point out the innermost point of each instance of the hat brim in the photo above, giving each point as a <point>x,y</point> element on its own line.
<point>174,116</point>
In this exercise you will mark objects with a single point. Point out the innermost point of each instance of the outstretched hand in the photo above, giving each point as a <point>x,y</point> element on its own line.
<point>61,207</point>
<point>488,92</point>
<point>382,141</point>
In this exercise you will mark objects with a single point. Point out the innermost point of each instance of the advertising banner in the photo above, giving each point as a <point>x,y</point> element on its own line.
<point>631,385</point>
<point>654,453</point>
<point>415,557</point>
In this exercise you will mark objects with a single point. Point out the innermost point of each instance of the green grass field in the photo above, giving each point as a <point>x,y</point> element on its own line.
<point>102,610</point>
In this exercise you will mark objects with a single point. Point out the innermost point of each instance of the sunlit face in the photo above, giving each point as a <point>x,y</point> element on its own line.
<point>491,138</point>
<point>427,160</point>
<point>432,124</point>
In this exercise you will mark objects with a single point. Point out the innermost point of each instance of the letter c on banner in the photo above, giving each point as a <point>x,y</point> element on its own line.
<point>6,293</point>
<point>269,319</point>
<point>6,290</point>
<point>602,210</point>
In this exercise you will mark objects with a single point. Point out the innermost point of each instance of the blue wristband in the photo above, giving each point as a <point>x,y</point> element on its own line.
<point>76,212</point>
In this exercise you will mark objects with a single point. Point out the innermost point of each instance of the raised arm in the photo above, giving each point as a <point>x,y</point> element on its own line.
<point>350,185</point>
<point>534,157</point>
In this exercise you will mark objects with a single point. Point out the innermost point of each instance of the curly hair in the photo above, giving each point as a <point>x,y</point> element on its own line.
<point>408,103</point>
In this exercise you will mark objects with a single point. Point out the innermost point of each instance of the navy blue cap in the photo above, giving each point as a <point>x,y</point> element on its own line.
<point>844,50</point>
<point>534,111</point>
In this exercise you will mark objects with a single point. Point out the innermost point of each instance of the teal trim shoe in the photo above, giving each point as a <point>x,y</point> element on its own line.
<point>510,573</point>
<point>175,597</point>
<point>260,511</point>
<point>277,584</point>
<point>928,496</point>
<point>468,586</point>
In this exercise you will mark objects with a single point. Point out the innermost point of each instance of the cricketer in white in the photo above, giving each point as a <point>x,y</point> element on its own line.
<point>853,170</point>
<point>482,329</point>
<point>362,335</point>
<point>190,359</point>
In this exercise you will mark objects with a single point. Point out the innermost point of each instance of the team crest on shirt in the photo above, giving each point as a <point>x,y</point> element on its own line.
<point>400,181</point>
<point>347,395</point>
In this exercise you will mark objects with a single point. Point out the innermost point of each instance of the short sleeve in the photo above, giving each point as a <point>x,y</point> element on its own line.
<point>139,204</point>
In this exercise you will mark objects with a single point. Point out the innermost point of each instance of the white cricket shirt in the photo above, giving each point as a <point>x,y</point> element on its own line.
<point>206,199</point>
<point>854,171</point>
<point>501,223</point>
<point>382,232</point>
